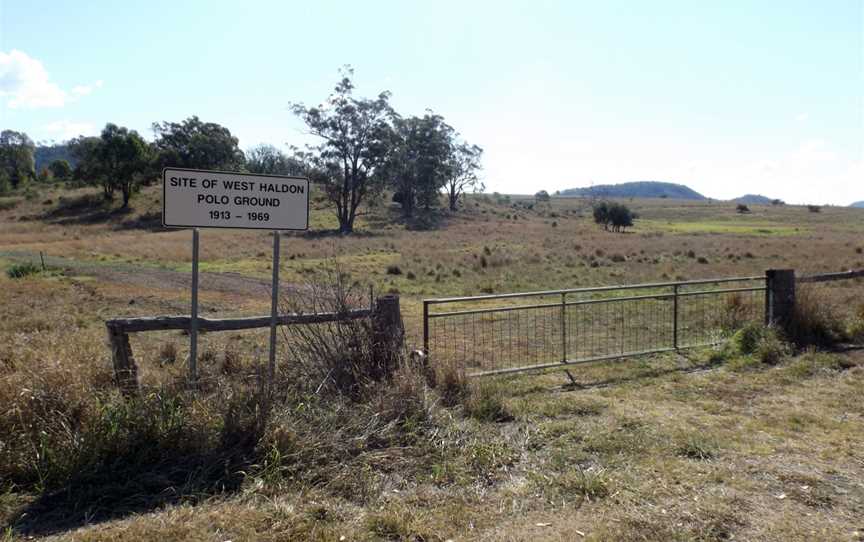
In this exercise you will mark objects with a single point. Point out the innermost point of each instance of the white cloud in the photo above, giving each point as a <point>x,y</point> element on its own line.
<point>801,117</point>
<point>64,129</point>
<point>84,90</point>
<point>25,83</point>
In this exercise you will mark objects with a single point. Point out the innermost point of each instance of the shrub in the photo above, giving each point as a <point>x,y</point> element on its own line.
<point>702,259</point>
<point>764,343</point>
<point>771,349</point>
<point>21,270</point>
<point>814,208</point>
<point>333,357</point>
<point>394,269</point>
<point>746,339</point>
<point>742,209</point>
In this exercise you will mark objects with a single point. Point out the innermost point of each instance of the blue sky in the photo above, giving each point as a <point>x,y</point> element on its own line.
<point>726,97</point>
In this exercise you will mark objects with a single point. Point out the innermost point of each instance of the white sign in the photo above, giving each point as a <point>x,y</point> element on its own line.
<point>194,198</point>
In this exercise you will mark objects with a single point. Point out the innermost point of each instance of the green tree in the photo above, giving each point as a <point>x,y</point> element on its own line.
<point>417,164</point>
<point>83,149</point>
<point>541,196</point>
<point>616,215</point>
<point>354,132</point>
<point>464,164</point>
<point>60,169</point>
<point>5,183</point>
<point>17,160</point>
<point>269,160</point>
<point>119,159</point>
<point>196,144</point>
<point>620,216</point>
<point>601,214</point>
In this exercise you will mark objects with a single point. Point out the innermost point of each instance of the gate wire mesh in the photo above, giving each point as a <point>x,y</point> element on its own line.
<point>516,332</point>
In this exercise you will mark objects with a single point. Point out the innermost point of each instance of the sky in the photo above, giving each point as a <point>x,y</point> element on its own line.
<point>729,98</point>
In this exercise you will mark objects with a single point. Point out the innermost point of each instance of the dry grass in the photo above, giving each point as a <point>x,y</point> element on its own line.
<point>721,444</point>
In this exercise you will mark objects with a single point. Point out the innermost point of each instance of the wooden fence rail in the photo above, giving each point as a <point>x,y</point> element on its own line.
<point>385,315</point>
<point>827,277</point>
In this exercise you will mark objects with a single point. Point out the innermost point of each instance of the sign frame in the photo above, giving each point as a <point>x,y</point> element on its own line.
<point>239,174</point>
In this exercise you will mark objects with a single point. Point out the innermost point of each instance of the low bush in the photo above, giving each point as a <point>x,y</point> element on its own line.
<point>764,343</point>
<point>21,270</point>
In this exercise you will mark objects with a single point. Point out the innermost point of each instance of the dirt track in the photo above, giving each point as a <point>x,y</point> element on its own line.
<point>164,279</point>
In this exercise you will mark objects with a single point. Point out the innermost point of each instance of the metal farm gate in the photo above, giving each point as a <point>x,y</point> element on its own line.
<point>506,333</point>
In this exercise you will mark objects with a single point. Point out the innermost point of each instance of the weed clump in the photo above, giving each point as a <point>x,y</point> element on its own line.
<point>21,270</point>
<point>764,343</point>
<point>695,446</point>
<point>484,403</point>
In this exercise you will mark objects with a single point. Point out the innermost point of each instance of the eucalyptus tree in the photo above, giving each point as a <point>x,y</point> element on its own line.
<point>418,161</point>
<point>463,168</point>
<point>353,133</point>
<point>17,162</point>
<point>195,144</point>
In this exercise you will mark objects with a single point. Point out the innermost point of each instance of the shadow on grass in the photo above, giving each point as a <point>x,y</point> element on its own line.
<point>151,222</point>
<point>423,219</point>
<point>83,210</point>
<point>632,374</point>
<point>326,234</point>
<point>115,491</point>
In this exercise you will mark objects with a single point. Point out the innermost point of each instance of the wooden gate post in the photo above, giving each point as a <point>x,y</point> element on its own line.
<point>125,370</point>
<point>779,296</point>
<point>388,332</point>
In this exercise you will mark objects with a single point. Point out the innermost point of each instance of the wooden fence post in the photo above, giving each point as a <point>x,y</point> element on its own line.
<point>125,370</point>
<point>388,332</point>
<point>780,296</point>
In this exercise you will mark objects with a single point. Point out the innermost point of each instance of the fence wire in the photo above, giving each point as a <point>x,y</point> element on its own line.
<point>513,332</point>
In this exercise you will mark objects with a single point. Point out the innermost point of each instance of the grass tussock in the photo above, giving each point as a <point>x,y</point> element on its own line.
<point>815,321</point>
<point>22,270</point>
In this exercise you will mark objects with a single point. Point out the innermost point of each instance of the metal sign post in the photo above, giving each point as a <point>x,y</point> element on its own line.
<point>193,323</point>
<point>274,307</point>
<point>224,199</point>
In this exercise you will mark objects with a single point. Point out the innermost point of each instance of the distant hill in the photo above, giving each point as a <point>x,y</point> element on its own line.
<point>45,154</point>
<point>859,204</point>
<point>753,199</point>
<point>639,189</point>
